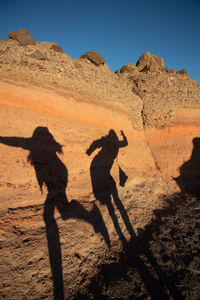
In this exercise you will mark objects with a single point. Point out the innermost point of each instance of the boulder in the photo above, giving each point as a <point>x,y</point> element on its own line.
<point>52,46</point>
<point>128,68</point>
<point>22,36</point>
<point>149,62</point>
<point>94,57</point>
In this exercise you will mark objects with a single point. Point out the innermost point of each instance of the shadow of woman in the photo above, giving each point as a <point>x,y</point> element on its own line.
<point>104,189</point>
<point>189,179</point>
<point>51,171</point>
<point>103,184</point>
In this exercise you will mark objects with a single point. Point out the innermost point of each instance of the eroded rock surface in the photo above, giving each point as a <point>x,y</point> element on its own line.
<point>53,108</point>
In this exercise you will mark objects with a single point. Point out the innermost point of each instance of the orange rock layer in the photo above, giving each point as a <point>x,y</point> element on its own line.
<point>75,122</point>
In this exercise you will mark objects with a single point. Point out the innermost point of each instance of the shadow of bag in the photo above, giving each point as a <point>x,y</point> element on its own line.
<point>122,177</point>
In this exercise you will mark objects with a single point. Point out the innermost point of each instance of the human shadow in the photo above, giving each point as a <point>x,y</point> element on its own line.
<point>103,184</point>
<point>189,179</point>
<point>51,171</point>
<point>104,189</point>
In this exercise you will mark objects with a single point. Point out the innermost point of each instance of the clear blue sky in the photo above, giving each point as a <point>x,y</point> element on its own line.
<point>121,30</point>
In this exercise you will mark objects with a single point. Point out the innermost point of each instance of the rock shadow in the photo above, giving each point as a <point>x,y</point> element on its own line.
<point>51,171</point>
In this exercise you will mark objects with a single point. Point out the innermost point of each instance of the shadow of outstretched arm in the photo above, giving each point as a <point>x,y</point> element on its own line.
<point>95,145</point>
<point>24,143</point>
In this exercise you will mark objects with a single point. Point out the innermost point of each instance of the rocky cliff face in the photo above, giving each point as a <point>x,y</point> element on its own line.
<point>46,95</point>
<point>170,113</point>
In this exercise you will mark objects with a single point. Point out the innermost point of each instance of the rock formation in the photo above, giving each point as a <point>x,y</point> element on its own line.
<point>53,109</point>
<point>94,57</point>
<point>149,62</point>
<point>22,36</point>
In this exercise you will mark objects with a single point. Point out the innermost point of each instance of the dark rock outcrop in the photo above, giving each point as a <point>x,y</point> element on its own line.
<point>22,36</point>
<point>94,57</point>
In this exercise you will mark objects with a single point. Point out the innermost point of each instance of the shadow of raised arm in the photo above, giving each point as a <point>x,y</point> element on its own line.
<point>124,142</point>
<point>21,142</point>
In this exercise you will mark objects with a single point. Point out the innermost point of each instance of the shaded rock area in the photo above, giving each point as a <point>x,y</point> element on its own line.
<point>163,262</point>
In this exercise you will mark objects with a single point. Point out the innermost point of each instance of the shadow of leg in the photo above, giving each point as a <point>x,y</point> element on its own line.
<point>115,221</point>
<point>124,214</point>
<point>54,249</point>
<point>98,224</point>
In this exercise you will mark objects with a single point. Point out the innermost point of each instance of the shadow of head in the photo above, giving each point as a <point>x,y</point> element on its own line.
<point>48,167</point>
<point>42,137</point>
